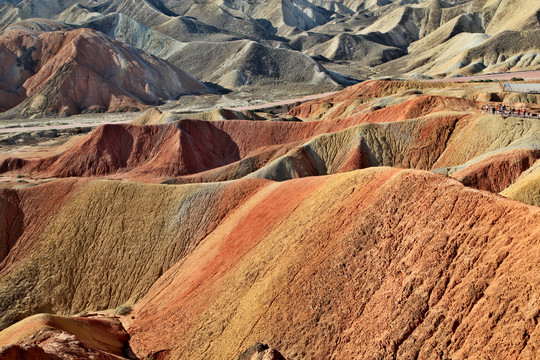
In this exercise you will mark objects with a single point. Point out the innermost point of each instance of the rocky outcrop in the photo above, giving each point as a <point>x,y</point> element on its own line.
<point>261,352</point>
<point>31,352</point>
<point>53,337</point>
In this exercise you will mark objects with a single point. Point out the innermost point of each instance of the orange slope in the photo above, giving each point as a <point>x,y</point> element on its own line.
<point>368,264</point>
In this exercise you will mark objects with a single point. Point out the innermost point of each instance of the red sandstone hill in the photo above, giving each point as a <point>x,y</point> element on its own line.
<point>355,101</point>
<point>375,263</point>
<point>74,71</point>
<point>193,146</point>
<point>424,132</point>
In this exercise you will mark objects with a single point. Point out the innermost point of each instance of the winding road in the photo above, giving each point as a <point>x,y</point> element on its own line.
<point>284,102</point>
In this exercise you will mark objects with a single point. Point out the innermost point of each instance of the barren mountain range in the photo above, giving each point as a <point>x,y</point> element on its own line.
<point>302,46</point>
<point>385,218</point>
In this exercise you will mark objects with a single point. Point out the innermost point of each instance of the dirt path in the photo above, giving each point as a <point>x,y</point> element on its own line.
<point>526,75</point>
<point>284,102</point>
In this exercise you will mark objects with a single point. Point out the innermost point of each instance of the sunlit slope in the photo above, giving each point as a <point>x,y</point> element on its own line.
<point>53,68</point>
<point>495,172</point>
<point>368,263</point>
<point>105,246</point>
<point>372,263</point>
<point>329,261</point>
<point>527,186</point>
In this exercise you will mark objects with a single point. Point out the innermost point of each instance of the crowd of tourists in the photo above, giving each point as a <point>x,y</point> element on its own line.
<point>509,111</point>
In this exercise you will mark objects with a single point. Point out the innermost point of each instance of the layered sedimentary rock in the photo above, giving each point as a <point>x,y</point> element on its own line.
<point>372,229</point>
<point>527,187</point>
<point>427,132</point>
<point>378,266</point>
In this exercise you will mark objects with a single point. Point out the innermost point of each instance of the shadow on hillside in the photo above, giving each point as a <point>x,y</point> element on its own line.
<point>216,88</point>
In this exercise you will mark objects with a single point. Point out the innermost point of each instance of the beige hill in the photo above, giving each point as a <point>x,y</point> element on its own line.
<point>212,15</point>
<point>278,17</point>
<point>9,15</point>
<point>400,27</point>
<point>291,15</point>
<point>517,15</point>
<point>43,9</point>
<point>468,54</point>
<point>356,47</point>
<point>527,187</point>
<point>142,11</point>
<point>243,62</point>
<point>77,14</point>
